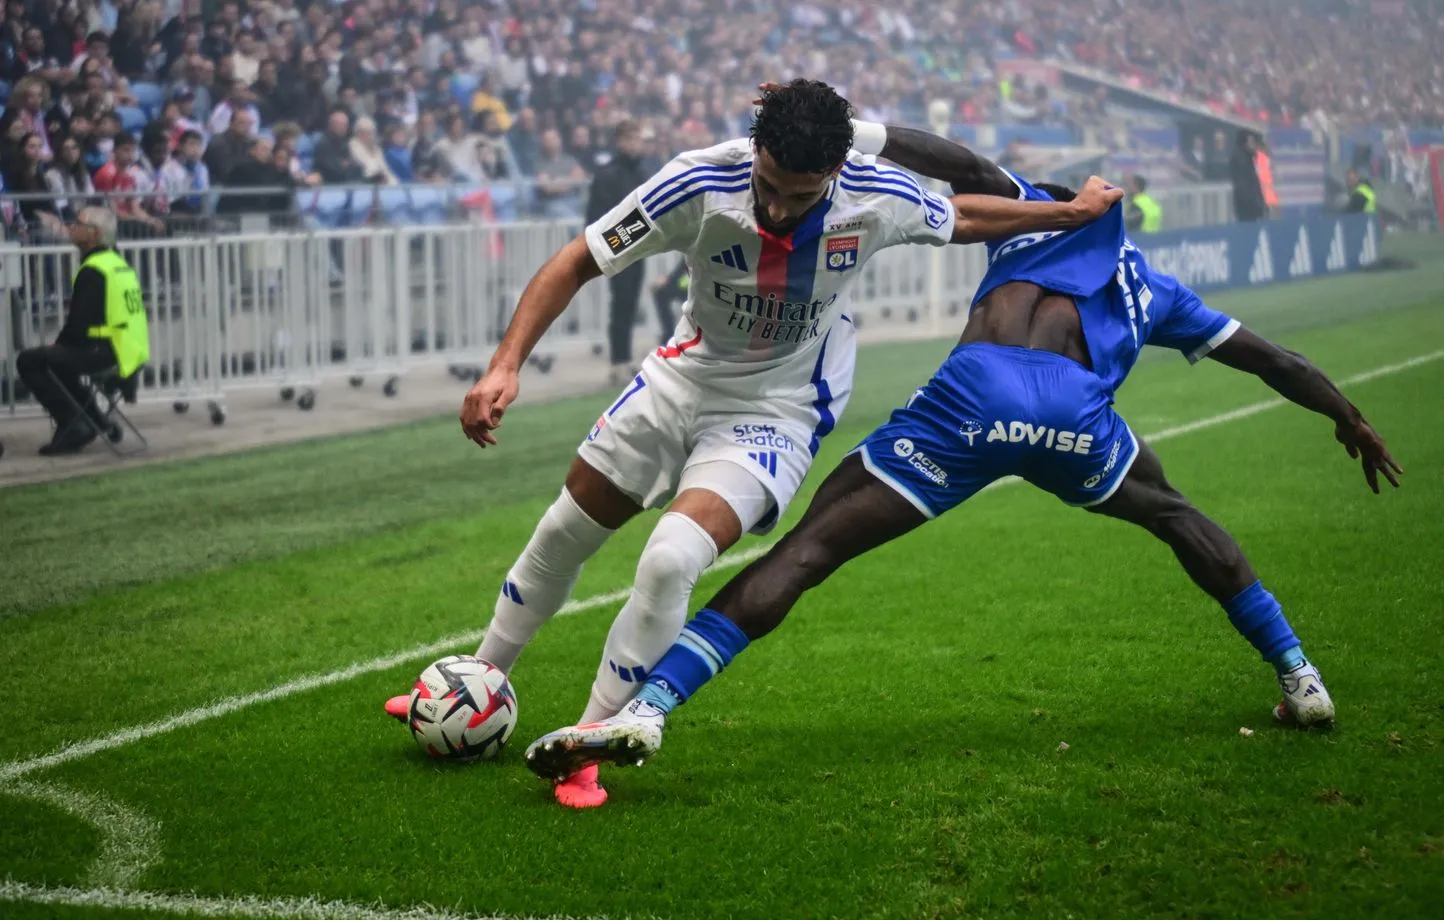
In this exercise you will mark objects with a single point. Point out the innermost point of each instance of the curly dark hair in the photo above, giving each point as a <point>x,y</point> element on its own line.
<point>805,125</point>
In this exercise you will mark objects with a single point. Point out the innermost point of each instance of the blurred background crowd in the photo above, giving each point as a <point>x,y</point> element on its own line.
<point>167,99</point>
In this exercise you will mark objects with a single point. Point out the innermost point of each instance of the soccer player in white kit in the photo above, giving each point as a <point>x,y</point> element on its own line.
<point>720,425</point>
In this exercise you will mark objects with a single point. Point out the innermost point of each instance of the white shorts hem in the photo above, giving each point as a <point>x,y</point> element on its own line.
<point>892,483</point>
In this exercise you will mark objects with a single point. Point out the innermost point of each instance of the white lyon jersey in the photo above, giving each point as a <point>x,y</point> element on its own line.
<point>761,363</point>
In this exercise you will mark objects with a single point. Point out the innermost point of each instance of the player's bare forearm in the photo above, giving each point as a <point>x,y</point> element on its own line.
<point>984,217</point>
<point>1288,373</point>
<point>546,297</point>
<point>939,158</point>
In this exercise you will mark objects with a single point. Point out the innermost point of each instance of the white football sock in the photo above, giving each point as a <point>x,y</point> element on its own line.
<point>541,580</point>
<point>676,554</point>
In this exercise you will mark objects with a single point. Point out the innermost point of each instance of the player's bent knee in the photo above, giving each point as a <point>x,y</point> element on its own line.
<point>677,553</point>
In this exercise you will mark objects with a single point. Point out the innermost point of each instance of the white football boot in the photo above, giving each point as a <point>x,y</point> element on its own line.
<point>1305,701</point>
<point>626,739</point>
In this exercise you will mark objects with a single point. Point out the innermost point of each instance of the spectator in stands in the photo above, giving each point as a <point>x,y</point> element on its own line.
<point>246,61</point>
<point>177,116</point>
<point>76,98</point>
<point>460,150</point>
<point>612,183</point>
<point>369,157</point>
<point>309,106</point>
<point>185,177</point>
<point>1248,200</point>
<point>334,160</point>
<point>428,164</point>
<point>267,92</point>
<point>228,150</point>
<point>136,53</point>
<point>24,177</point>
<point>239,98</point>
<point>154,152</point>
<point>264,168</point>
<point>495,151</point>
<point>82,131</point>
<point>29,99</point>
<point>525,141</point>
<point>286,137</point>
<point>560,179</point>
<point>398,154</point>
<point>486,100</point>
<point>584,150</point>
<point>124,183</point>
<point>68,179</point>
<point>194,84</point>
<point>1216,164</point>
<point>32,59</point>
<point>1195,159</point>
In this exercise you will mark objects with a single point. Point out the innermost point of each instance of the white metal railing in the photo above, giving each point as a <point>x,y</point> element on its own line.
<point>291,310</point>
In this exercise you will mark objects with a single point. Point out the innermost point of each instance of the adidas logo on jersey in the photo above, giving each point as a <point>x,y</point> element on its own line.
<point>1369,254</point>
<point>732,258</point>
<point>1336,260</point>
<point>767,459</point>
<point>1262,269</point>
<point>1302,262</point>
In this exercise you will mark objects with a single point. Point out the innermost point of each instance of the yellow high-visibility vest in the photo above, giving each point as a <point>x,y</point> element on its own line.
<point>125,322</point>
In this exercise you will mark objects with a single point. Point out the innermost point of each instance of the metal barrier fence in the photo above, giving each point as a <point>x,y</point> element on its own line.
<point>293,309</point>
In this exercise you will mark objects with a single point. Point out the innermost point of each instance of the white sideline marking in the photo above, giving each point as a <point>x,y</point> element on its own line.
<point>16,769</point>
<point>129,841</point>
<point>248,907</point>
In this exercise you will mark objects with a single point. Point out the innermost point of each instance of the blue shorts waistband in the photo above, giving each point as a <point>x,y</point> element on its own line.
<point>1018,353</point>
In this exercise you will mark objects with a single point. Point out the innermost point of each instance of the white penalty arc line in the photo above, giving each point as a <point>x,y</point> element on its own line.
<point>253,908</point>
<point>17,769</point>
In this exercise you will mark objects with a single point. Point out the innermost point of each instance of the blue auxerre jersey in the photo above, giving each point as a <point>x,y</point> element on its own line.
<point>1122,303</point>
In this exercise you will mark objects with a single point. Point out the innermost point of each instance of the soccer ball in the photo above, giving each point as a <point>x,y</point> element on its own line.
<point>462,709</point>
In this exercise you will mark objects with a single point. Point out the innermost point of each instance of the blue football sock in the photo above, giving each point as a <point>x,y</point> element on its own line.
<point>707,645</point>
<point>1260,620</point>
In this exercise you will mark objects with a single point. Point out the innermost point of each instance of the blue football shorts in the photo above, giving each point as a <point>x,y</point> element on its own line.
<point>992,411</point>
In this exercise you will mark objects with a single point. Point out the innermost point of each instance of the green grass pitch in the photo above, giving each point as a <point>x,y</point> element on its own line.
<point>892,751</point>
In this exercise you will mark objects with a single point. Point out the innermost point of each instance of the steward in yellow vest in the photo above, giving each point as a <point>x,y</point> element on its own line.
<point>105,328</point>
<point>1143,213</point>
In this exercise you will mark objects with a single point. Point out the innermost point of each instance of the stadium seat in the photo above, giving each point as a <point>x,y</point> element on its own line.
<point>132,119</point>
<point>463,85</point>
<point>149,96</point>
<point>4,92</point>
<point>396,206</point>
<point>428,205</point>
<point>327,206</point>
<point>362,203</point>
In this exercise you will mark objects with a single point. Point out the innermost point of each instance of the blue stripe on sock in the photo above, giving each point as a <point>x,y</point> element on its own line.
<point>706,646</point>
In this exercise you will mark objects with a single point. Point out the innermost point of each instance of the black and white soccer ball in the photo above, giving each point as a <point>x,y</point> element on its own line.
<point>462,709</point>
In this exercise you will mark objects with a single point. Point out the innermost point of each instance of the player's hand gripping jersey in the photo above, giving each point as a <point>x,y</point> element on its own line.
<point>761,364</point>
<point>992,411</point>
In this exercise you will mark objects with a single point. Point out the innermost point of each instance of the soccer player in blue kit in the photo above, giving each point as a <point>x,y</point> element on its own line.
<point>1055,327</point>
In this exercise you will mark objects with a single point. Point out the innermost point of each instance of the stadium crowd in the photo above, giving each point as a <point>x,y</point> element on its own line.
<point>168,98</point>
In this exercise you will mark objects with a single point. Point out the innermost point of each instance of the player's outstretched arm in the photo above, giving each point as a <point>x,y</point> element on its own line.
<point>547,295</point>
<point>937,157</point>
<point>986,217</point>
<point>1299,381</point>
